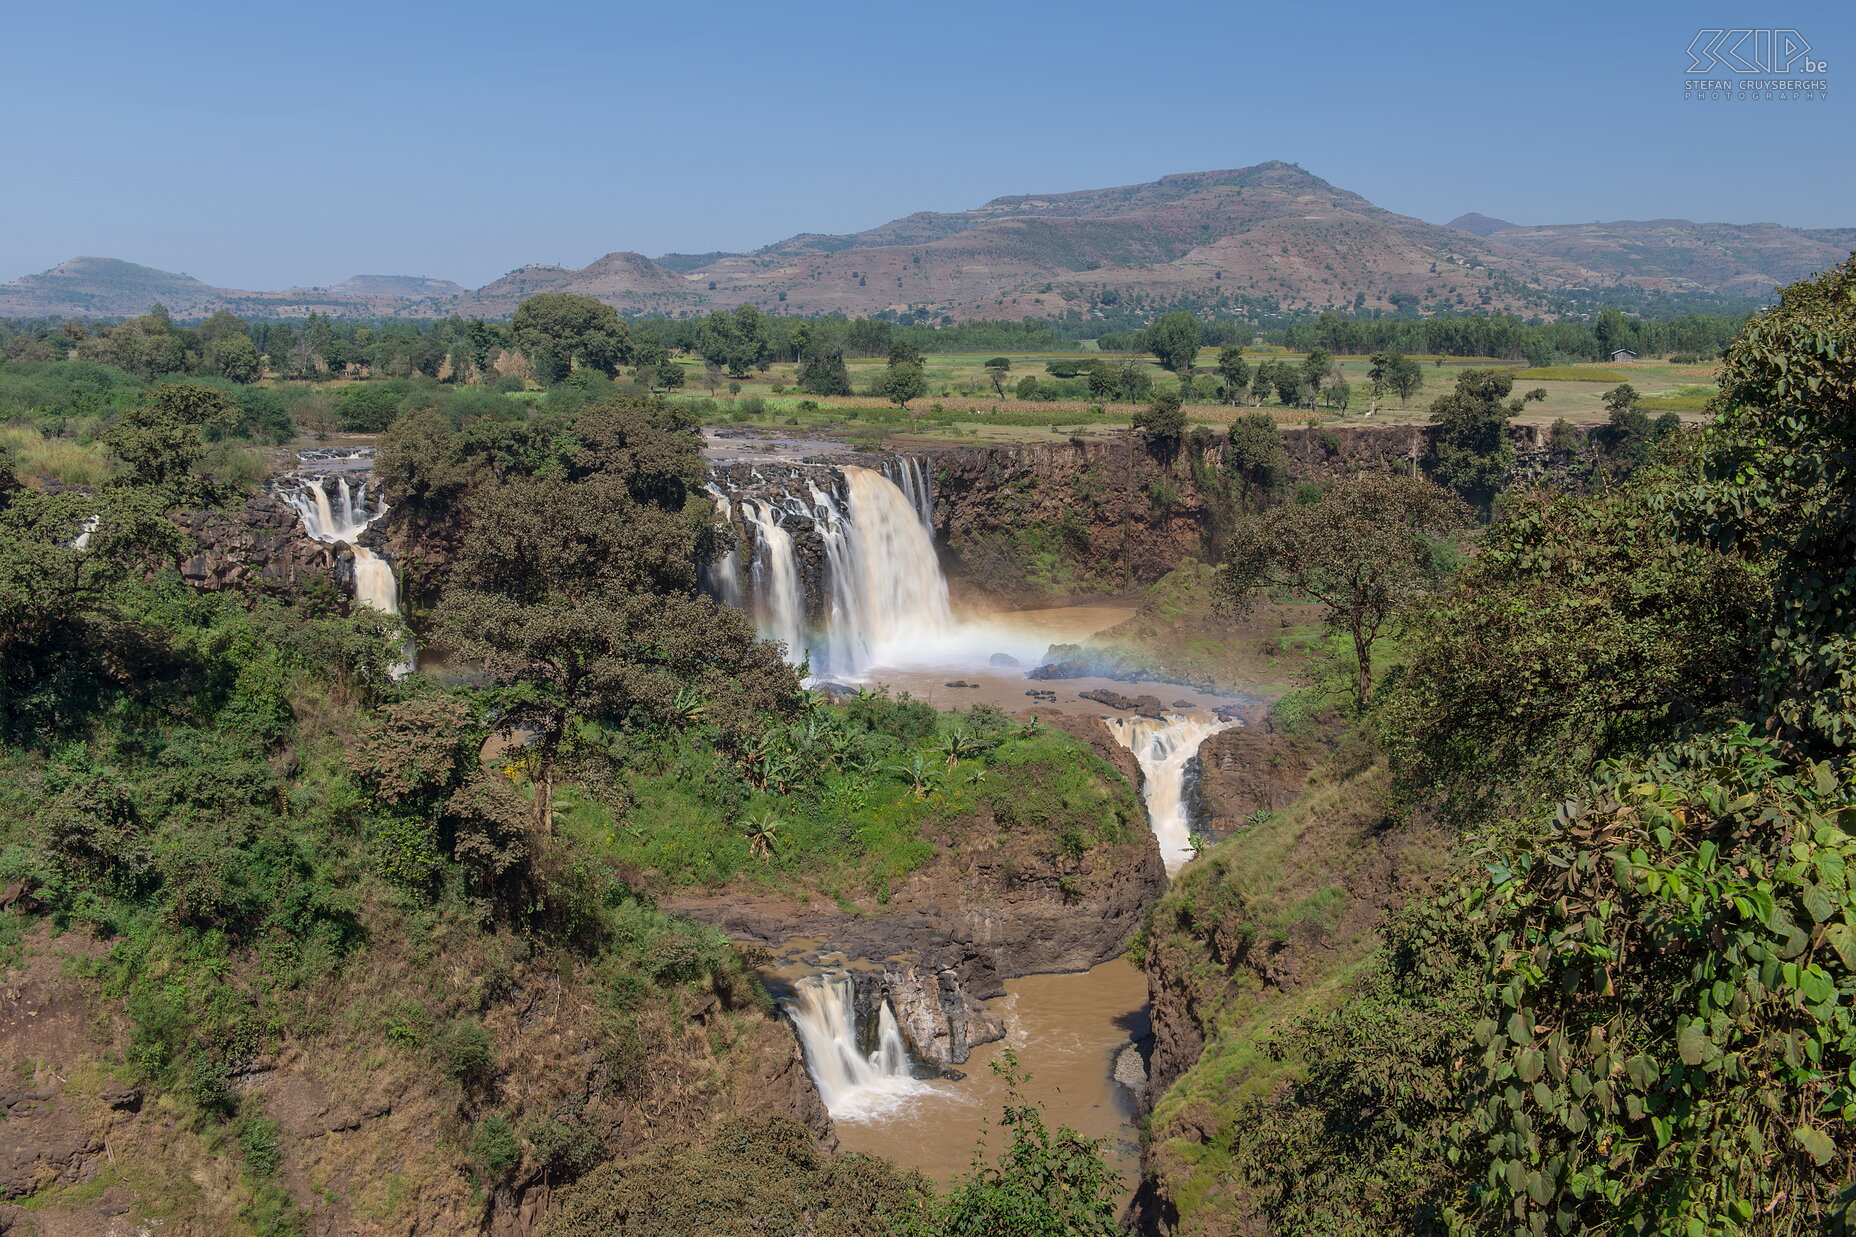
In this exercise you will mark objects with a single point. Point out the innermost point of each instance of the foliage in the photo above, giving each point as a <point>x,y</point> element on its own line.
<point>1174,340</point>
<point>559,330</point>
<point>1363,551</point>
<point>1046,1183</point>
<point>575,589</point>
<point>1471,451</point>
<point>747,1178</point>
<point>1669,1030</point>
<point>1163,420</point>
<point>1780,485</point>
<point>1584,628</point>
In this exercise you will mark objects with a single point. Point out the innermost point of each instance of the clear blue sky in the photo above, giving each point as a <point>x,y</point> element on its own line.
<point>259,145</point>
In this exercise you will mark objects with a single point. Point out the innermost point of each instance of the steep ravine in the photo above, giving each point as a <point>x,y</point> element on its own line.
<point>1264,928</point>
<point>993,904</point>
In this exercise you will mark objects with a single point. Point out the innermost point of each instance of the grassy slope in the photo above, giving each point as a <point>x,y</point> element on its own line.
<point>1267,926</point>
<point>862,824</point>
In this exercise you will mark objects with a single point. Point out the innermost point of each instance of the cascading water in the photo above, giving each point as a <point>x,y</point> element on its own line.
<point>780,603</point>
<point>910,474</point>
<point>722,575</point>
<point>342,522</point>
<point>879,593</point>
<point>1164,748</point>
<point>855,1085</point>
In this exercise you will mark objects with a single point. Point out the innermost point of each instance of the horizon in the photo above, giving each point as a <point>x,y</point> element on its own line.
<point>456,160</point>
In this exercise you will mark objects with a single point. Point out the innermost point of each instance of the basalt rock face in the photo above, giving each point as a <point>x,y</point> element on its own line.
<point>260,545</point>
<point>1248,769</point>
<point>1101,515</point>
<point>991,906</point>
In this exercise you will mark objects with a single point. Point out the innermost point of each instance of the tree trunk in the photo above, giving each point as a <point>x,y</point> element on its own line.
<point>1363,655</point>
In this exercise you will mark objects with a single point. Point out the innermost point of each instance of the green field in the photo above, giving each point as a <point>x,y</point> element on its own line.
<point>961,403</point>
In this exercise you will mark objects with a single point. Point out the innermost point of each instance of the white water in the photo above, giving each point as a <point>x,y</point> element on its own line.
<point>903,600</point>
<point>885,598</point>
<point>910,474</point>
<point>779,601</point>
<point>342,522</point>
<point>723,575</point>
<point>855,1087</point>
<point>1164,748</point>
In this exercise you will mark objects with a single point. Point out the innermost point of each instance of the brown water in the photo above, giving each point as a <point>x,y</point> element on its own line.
<point>1026,634</point>
<point>1066,1030</point>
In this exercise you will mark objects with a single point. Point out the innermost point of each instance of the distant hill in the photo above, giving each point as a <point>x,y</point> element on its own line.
<point>1272,236</point>
<point>87,287</point>
<point>1739,259</point>
<point>629,281</point>
<point>1481,225</point>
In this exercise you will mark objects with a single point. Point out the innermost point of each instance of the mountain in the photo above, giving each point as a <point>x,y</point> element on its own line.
<point>1675,255</point>
<point>630,281</point>
<point>87,287</point>
<point>1272,233</point>
<point>1257,239</point>
<point>1481,225</point>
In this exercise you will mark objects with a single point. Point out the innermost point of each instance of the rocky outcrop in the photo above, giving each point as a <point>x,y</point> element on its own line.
<point>259,546</point>
<point>1249,769</point>
<point>372,1136</point>
<point>992,905</point>
<point>1114,513</point>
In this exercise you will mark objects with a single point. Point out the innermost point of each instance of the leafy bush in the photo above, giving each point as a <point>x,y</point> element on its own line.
<point>495,1146</point>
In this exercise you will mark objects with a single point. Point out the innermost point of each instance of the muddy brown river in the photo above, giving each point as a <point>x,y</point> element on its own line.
<point>1066,1030</point>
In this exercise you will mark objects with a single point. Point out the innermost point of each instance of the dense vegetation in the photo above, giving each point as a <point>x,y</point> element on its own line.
<point>1636,1011</point>
<point>230,792</point>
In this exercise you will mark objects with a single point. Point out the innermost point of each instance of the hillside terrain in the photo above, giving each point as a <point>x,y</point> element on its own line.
<point>1269,237</point>
<point>1675,255</point>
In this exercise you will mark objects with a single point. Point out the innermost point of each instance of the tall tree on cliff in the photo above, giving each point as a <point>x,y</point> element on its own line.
<point>1363,552</point>
<point>575,589</point>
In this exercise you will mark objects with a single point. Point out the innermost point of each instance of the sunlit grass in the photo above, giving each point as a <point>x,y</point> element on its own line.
<point>62,460</point>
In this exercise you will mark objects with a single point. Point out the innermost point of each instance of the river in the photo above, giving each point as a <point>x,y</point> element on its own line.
<point>1066,1030</point>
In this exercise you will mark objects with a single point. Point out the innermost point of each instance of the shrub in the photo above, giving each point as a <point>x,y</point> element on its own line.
<point>495,1147</point>
<point>468,1052</point>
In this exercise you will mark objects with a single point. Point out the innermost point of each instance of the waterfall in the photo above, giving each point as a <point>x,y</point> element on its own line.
<point>722,576</point>
<point>780,604</point>
<point>854,1085</point>
<point>864,544</point>
<point>904,594</point>
<point>1165,748</point>
<point>910,474</point>
<point>342,522</point>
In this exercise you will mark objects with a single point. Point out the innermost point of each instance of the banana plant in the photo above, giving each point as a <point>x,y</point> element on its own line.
<point>763,833</point>
<point>920,772</point>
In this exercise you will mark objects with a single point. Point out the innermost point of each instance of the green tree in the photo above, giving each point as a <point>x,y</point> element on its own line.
<point>1235,370</point>
<point>1174,340</point>
<point>161,442</point>
<point>1163,420</point>
<point>736,339</point>
<point>996,370</point>
<point>903,380</point>
<point>1363,552</point>
<point>1045,1183</point>
<point>575,589</point>
<point>558,330</point>
<point>1317,367</point>
<point>1255,454</point>
<point>1397,373</point>
<point>236,358</point>
<point>1473,450</point>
